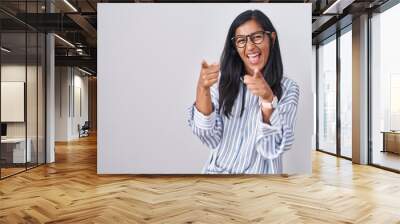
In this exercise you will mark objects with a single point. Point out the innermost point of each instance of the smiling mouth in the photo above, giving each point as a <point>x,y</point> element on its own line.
<point>254,58</point>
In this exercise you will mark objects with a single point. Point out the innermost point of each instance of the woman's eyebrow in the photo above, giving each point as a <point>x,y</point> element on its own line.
<point>243,35</point>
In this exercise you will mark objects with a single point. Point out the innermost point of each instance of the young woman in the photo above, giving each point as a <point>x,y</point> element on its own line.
<point>248,118</point>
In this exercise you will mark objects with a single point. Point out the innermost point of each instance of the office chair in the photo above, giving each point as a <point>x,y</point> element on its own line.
<point>84,130</point>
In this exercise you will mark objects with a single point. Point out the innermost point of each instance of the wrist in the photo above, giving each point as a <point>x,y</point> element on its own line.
<point>268,97</point>
<point>268,104</point>
<point>266,114</point>
<point>203,88</point>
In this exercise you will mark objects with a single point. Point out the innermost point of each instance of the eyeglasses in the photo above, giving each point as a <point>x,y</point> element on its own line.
<point>240,41</point>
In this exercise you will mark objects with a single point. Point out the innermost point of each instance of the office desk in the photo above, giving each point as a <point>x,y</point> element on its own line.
<point>13,150</point>
<point>391,141</point>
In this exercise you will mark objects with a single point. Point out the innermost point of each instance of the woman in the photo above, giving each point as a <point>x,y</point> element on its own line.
<point>248,118</point>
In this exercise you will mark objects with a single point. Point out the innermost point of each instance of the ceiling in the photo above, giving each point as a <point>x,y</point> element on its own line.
<point>76,22</point>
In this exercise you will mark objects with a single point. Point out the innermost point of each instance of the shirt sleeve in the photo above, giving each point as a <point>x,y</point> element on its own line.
<point>208,128</point>
<point>278,136</point>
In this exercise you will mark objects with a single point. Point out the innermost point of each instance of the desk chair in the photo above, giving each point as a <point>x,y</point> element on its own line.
<point>84,130</point>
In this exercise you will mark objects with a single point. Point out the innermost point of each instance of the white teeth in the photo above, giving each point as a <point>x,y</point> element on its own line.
<point>253,55</point>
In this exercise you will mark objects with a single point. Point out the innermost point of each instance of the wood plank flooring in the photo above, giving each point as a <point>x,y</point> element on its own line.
<point>10,171</point>
<point>70,191</point>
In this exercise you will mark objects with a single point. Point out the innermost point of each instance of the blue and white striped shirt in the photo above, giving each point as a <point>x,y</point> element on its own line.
<point>246,144</point>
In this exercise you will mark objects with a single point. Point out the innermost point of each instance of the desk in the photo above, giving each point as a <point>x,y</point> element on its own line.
<point>391,141</point>
<point>15,148</point>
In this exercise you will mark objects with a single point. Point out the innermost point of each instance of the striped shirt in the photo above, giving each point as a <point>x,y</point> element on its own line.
<point>247,145</point>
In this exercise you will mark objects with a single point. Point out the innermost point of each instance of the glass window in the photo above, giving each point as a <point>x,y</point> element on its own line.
<point>346,94</point>
<point>15,151</point>
<point>22,91</point>
<point>385,87</point>
<point>327,96</point>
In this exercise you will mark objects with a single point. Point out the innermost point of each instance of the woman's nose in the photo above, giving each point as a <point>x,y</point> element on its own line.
<point>249,44</point>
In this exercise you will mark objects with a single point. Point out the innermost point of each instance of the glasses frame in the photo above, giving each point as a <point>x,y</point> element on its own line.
<point>233,39</point>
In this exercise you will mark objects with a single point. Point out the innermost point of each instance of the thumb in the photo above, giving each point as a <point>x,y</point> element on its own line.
<point>204,64</point>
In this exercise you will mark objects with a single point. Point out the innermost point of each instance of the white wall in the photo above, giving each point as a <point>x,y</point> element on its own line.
<point>68,81</point>
<point>79,117</point>
<point>148,65</point>
<point>61,103</point>
<point>314,88</point>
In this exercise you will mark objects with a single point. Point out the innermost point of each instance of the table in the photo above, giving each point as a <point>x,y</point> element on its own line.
<point>13,150</point>
<point>391,141</point>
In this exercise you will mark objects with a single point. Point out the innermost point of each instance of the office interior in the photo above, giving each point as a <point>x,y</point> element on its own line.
<point>48,80</point>
<point>48,77</point>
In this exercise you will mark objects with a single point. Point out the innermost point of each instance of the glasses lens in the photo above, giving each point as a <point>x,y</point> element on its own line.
<point>240,41</point>
<point>257,37</point>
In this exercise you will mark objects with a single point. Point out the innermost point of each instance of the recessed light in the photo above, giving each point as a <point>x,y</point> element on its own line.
<point>5,50</point>
<point>84,71</point>
<point>70,5</point>
<point>64,40</point>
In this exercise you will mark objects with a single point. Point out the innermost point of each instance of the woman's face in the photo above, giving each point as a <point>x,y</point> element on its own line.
<point>254,56</point>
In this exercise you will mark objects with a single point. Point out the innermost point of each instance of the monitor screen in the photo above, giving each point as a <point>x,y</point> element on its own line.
<point>3,129</point>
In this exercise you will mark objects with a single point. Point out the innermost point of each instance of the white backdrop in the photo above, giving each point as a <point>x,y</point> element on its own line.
<point>149,59</point>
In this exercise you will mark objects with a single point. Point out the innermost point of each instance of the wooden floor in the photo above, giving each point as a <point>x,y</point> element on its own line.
<point>5,172</point>
<point>70,191</point>
<point>387,159</point>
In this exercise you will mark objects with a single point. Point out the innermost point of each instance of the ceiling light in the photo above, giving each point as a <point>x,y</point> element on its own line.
<point>337,7</point>
<point>5,50</point>
<point>84,71</point>
<point>70,5</point>
<point>65,41</point>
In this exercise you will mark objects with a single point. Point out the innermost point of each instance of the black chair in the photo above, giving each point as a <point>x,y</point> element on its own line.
<point>84,130</point>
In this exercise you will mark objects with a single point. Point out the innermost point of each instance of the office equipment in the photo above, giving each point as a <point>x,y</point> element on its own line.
<point>3,130</point>
<point>391,141</point>
<point>12,101</point>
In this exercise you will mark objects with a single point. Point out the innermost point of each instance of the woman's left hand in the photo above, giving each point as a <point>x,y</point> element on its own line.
<point>258,86</point>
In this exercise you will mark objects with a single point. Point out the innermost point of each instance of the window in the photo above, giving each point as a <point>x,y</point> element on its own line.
<point>346,93</point>
<point>385,89</point>
<point>22,66</point>
<point>327,96</point>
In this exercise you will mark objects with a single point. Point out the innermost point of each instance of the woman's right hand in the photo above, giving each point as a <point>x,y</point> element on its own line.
<point>208,75</point>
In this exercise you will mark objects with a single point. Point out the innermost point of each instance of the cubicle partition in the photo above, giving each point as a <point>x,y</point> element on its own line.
<point>22,90</point>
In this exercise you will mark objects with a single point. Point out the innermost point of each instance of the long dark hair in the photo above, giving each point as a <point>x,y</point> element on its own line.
<point>232,66</point>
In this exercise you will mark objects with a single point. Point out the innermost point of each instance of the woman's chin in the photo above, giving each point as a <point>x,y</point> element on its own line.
<point>252,67</point>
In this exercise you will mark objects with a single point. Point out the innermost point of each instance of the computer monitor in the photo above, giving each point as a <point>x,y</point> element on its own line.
<point>3,129</point>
